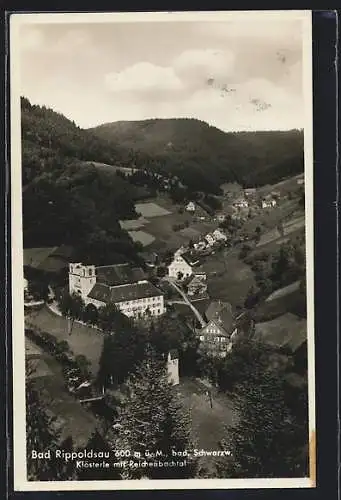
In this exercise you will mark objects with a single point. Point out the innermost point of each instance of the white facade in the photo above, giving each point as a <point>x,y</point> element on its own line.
<point>133,308</point>
<point>154,305</point>
<point>190,207</point>
<point>81,279</point>
<point>241,204</point>
<point>269,204</point>
<point>173,370</point>
<point>179,265</point>
<point>219,235</point>
<point>210,239</point>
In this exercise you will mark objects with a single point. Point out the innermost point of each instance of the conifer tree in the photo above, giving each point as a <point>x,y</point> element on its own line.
<point>264,442</point>
<point>43,436</point>
<point>153,420</point>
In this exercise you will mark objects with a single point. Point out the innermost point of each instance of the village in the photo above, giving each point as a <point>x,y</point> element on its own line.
<point>197,273</point>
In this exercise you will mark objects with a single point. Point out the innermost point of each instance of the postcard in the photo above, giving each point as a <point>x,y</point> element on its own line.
<point>162,250</point>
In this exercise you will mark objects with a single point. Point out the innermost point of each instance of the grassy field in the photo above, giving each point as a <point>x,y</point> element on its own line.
<point>150,209</point>
<point>72,419</point>
<point>156,228</point>
<point>292,301</point>
<point>145,238</point>
<point>285,187</point>
<point>208,424</point>
<point>83,339</point>
<point>228,277</point>
<point>269,218</point>
<point>283,330</point>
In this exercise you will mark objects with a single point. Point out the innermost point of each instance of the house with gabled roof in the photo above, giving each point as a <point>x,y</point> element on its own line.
<point>217,337</point>
<point>183,263</point>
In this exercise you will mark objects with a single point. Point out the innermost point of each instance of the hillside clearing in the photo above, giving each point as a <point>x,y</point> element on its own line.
<point>144,238</point>
<point>150,209</point>
<point>228,277</point>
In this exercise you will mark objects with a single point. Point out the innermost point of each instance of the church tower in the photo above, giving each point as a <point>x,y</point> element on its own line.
<point>81,279</point>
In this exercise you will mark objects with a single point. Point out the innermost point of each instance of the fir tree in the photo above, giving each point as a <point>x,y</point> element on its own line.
<point>264,443</point>
<point>43,436</point>
<point>153,420</point>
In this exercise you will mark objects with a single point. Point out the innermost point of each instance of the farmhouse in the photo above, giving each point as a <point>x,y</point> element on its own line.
<point>201,245</point>
<point>241,203</point>
<point>197,284</point>
<point>119,284</point>
<point>210,239</point>
<point>150,258</point>
<point>216,338</point>
<point>250,192</point>
<point>219,235</point>
<point>183,263</point>
<point>221,217</point>
<point>269,203</point>
<point>190,207</point>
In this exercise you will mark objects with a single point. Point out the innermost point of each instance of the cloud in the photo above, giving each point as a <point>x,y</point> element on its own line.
<point>44,40</point>
<point>196,67</point>
<point>143,77</point>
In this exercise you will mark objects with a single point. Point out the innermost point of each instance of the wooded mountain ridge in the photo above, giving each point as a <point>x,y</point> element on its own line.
<point>68,199</point>
<point>204,157</point>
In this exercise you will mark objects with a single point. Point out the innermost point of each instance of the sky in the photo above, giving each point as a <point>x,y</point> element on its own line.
<point>235,74</point>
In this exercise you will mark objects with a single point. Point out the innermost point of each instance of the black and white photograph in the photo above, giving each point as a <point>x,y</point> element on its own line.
<point>162,249</point>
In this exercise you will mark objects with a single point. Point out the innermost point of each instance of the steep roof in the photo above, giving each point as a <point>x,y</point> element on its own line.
<point>191,257</point>
<point>221,314</point>
<point>223,331</point>
<point>119,274</point>
<point>48,259</point>
<point>124,293</point>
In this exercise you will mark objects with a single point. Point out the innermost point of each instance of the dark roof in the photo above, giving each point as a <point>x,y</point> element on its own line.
<point>107,294</point>
<point>149,257</point>
<point>119,274</point>
<point>221,314</point>
<point>191,257</point>
<point>224,332</point>
<point>48,259</point>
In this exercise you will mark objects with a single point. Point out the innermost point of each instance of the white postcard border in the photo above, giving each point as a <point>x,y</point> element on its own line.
<point>18,336</point>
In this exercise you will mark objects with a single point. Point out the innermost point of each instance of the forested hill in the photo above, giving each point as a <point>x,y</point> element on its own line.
<point>204,156</point>
<point>66,200</point>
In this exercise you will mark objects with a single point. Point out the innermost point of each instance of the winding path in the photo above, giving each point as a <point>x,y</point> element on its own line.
<point>187,301</point>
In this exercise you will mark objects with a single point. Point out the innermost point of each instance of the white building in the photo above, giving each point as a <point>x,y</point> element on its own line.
<point>190,207</point>
<point>173,367</point>
<point>241,203</point>
<point>120,284</point>
<point>210,239</point>
<point>269,203</point>
<point>182,264</point>
<point>219,235</point>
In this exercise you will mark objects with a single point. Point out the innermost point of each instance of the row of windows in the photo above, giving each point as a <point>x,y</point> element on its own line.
<point>150,300</point>
<point>155,308</point>
<point>213,339</point>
